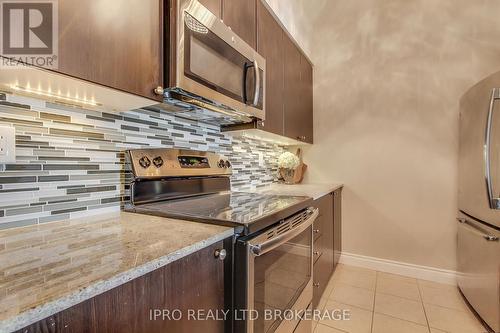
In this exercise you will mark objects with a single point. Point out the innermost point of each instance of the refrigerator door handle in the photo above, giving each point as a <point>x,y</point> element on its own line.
<point>477,230</point>
<point>493,202</point>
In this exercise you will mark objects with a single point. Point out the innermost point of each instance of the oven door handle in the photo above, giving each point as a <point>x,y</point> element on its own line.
<point>264,247</point>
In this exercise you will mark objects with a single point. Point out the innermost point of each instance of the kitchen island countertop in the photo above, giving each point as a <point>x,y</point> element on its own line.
<point>50,267</point>
<point>314,191</point>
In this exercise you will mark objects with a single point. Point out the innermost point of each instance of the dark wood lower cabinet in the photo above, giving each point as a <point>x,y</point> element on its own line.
<point>337,226</point>
<point>327,242</point>
<point>195,282</point>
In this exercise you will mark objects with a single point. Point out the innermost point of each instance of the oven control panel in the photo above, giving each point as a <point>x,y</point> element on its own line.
<point>193,162</point>
<point>165,162</point>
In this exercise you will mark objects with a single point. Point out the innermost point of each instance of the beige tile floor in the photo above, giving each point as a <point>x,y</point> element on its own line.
<point>387,303</point>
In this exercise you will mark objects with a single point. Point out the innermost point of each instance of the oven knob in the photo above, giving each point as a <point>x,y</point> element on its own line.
<point>144,162</point>
<point>158,161</point>
<point>221,164</point>
<point>228,164</point>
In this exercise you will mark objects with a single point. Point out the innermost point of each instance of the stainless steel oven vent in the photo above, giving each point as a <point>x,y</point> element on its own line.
<point>289,224</point>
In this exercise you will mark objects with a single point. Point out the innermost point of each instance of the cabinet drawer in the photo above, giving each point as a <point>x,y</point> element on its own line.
<point>322,223</point>
<point>318,227</point>
<point>322,271</point>
<point>318,249</point>
<point>325,206</point>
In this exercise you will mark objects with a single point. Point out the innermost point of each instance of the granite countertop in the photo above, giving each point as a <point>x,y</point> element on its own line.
<point>314,191</point>
<point>50,267</point>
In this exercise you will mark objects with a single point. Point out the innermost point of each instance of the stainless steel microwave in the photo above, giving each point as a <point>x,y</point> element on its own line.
<point>214,75</point>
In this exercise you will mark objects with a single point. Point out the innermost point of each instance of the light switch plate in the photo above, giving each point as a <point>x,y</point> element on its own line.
<point>7,144</point>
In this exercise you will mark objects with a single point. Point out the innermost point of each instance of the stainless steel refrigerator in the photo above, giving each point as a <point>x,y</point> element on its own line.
<point>479,199</point>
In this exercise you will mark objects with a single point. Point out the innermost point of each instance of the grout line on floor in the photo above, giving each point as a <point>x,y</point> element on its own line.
<point>405,320</point>
<point>422,302</point>
<point>406,298</point>
<point>338,329</point>
<point>374,299</point>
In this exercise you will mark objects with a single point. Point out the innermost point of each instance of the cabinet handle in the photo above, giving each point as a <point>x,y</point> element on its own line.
<point>316,231</point>
<point>159,90</point>
<point>220,254</point>
<point>316,284</point>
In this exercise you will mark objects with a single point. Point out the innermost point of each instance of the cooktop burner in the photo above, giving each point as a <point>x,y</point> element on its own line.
<point>250,211</point>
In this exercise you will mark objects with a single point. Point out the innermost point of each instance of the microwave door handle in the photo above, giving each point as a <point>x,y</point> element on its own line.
<point>264,247</point>
<point>257,83</point>
<point>493,202</point>
<point>245,78</point>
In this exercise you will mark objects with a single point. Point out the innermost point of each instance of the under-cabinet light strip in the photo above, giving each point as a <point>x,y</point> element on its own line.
<point>56,96</point>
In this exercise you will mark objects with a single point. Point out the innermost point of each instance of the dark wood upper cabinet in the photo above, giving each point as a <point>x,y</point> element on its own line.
<point>306,105</point>
<point>123,44</point>
<point>292,90</point>
<point>270,46</point>
<point>298,98</point>
<point>118,44</point>
<point>240,15</point>
<point>215,6</point>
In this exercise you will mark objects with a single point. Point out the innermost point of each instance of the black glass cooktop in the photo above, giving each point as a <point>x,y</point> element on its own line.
<point>249,211</point>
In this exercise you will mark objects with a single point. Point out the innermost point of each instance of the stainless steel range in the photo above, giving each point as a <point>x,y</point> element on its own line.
<point>273,244</point>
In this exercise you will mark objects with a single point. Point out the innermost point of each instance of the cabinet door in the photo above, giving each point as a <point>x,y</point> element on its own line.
<point>298,98</point>
<point>306,105</point>
<point>114,43</point>
<point>215,6</point>
<point>270,46</point>
<point>321,276</point>
<point>326,212</point>
<point>241,17</point>
<point>292,90</point>
<point>194,282</point>
<point>197,282</point>
<point>337,226</point>
<point>323,246</point>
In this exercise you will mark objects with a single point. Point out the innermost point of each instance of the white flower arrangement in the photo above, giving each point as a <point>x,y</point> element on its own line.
<point>288,160</point>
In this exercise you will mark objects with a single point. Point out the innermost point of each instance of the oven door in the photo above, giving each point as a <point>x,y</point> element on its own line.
<point>214,63</point>
<point>278,275</point>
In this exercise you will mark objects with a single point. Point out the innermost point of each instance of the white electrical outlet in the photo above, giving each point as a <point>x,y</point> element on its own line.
<point>7,144</point>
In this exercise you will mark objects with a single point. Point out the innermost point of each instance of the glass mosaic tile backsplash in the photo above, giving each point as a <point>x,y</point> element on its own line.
<point>70,161</point>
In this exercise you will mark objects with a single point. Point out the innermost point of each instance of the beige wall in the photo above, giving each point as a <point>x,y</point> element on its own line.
<point>388,76</point>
